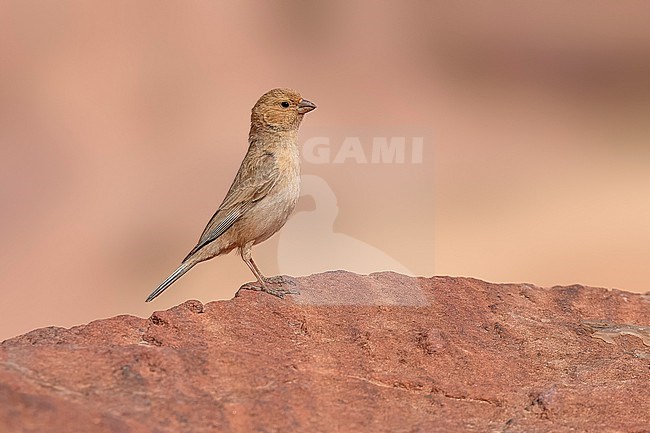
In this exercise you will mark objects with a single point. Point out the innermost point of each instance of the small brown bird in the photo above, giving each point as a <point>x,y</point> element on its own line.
<point>265,189</point>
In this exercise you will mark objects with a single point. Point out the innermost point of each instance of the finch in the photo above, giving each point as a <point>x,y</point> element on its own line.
<point>264,192</point>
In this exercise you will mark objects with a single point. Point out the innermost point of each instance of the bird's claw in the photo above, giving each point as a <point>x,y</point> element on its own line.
<point>280,292</point>
<point>281,279</point>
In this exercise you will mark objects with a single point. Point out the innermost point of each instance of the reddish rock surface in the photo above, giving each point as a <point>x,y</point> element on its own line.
<point>378,353</point>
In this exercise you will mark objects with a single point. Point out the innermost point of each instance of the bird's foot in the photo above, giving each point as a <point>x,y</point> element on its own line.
<point>279,292</point>
<point>281,279</point>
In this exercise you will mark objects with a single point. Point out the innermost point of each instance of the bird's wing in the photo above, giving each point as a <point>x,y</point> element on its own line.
<point>260,176</point>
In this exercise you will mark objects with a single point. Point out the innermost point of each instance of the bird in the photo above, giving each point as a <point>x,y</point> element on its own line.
<point>264,192</point>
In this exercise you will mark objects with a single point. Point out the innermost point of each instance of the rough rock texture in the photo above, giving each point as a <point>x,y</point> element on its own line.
<point>378,353</point>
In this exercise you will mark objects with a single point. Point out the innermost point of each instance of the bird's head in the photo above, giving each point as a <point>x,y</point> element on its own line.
<point>280,110</point>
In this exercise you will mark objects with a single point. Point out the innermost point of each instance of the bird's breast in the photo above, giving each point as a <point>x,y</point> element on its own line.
<point>273,211</point>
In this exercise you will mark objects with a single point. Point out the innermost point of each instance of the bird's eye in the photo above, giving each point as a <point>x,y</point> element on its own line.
<point>285,104</point>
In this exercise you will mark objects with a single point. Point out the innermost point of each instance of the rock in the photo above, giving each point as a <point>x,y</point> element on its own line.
<point>351,353</point>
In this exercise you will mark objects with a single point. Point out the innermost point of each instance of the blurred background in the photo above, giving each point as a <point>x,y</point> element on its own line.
<point>123,123</point>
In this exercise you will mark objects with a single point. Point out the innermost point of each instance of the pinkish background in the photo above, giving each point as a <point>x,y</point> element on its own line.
<point>123,123</point>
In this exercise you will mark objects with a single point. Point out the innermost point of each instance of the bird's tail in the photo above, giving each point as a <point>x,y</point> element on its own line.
<point>184,267</point>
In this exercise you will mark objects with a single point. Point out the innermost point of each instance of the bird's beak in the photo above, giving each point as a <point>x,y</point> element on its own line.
<point>305,106</point>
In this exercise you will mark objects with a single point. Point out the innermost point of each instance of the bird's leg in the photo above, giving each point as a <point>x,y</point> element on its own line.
<point>248,259</point>
<point>246,255</point>
<point>278,279</point>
